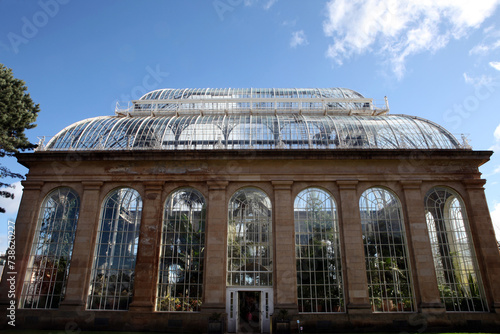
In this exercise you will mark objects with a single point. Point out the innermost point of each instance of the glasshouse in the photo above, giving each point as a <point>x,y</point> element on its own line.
<point>254,210</point>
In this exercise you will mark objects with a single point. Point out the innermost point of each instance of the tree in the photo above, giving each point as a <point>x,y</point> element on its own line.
<point>18,112</point>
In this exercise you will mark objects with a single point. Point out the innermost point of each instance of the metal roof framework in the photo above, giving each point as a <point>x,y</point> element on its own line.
<point>246,131</point>
<point>252,118</point>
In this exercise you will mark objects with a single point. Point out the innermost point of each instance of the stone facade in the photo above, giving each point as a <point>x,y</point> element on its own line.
<point>281,174</point>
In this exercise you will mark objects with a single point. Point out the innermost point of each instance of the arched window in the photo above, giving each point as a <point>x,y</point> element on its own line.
<point>112,277</point>
<point>180,276</point>
<point>317,251</point>
<point>249,239</point>
<point>387,266</point>
<point>48,265</point>
<point>455,262</point>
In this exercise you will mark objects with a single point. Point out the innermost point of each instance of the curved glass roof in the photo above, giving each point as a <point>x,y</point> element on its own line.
<point>235,93</point>
<point>223,131</point>
<point>255,100</point>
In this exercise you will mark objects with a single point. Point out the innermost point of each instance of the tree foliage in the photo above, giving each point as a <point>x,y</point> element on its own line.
<point>18,113</point>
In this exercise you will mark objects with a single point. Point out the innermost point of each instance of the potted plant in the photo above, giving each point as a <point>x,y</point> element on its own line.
<point>216,323</point>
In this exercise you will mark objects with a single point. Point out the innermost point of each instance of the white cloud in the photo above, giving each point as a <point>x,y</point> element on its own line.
<point>490,42</point>
<point>12,205</point>
<point>483,80</point>
<point>482,49</point>
<point>266,6</point>
<point>298,38</point>
<point>495,65</point>
<point>496,145</point>
<point>496,134</point>
<point>289,23</point>
<point>269,4</point>
<point>495,217</point>
<point>397,29</point>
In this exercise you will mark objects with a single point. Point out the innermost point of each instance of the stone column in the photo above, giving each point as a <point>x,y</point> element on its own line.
<point>355,282</point>
<point>426,286</point>
<point>285,275</point>
<point>82,256</point>
<point>19,251</point>
<point>215,248</point>
<point>484,241</point>
<point>146,268</point>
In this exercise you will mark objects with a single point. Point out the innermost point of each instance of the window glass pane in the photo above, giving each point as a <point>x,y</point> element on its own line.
<point>112,277</point>
<point>48,265</point>
<point>180,276</point>
<point>459,280</point>
<point>386,255</point>
<point>317,248</point>
<point>249,239</point>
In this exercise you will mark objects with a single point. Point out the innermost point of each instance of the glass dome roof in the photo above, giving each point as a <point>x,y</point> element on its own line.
<point>252,118</point>
<point>246,131</point>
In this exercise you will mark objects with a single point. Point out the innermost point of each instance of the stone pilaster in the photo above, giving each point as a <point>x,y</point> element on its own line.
<point>146,268</point>
<point>18,255</point>
<point>83,248</point>
<point>215,251</point>
<point>285,275</point>
<point>426,286</point>
<point>484,241</point>
<point>356,285</point>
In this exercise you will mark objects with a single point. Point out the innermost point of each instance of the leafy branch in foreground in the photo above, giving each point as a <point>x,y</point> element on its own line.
<point>18,113</point>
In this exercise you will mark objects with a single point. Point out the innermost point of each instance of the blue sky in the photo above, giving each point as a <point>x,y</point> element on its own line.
<point>439,60</point>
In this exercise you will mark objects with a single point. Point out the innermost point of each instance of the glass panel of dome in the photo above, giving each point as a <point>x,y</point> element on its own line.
<point>124,133</point>
<point>262,132</point>
<point>90,138</point>
<point>71,136</point>
<point>184,133</point>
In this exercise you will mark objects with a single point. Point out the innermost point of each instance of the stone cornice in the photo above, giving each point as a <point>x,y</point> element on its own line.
<point>32,185</point>
<point>480,157</point>
<point>474,183</point>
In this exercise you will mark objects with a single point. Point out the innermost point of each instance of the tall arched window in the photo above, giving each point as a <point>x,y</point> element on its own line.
<point>317,251</point>
<point>387,266</point>
<point>249,239</point>
<point>459,280</point>
<point>112,278</point>
<point>48,265</point>
<point>180,276</point>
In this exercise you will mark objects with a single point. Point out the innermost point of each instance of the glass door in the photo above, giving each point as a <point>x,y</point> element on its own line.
<point>249,310</point>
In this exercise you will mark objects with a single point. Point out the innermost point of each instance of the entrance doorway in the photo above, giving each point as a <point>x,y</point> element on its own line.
<point>249,310</point>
